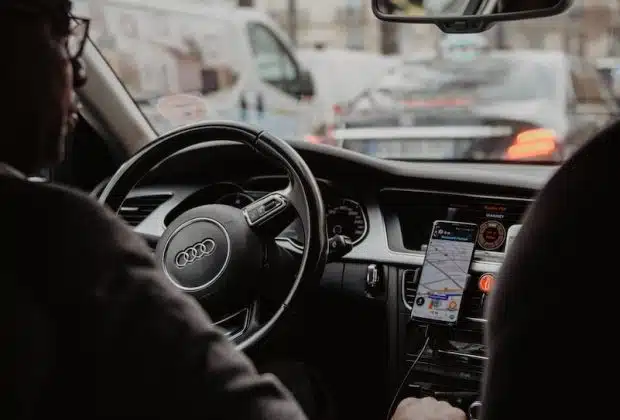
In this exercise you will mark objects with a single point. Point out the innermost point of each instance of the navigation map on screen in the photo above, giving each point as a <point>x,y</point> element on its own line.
<point>445,272</point>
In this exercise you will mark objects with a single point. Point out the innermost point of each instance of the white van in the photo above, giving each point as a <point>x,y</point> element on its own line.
<point>183,62</point>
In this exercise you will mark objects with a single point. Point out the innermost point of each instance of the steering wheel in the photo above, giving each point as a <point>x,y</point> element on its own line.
<point>216,252</point>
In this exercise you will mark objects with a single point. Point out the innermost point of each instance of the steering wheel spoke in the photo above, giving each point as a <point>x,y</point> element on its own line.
<point>238,323</point>
<point>251,324</point>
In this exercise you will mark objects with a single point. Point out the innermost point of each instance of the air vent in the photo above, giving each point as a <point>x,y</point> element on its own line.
<point>475,304</point>
<point>473,311</point>
<point>135,209</point>
<point>409,286</point>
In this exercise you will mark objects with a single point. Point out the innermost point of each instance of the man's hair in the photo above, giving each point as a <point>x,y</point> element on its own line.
<point>53,12</point>
<point>33,75</point>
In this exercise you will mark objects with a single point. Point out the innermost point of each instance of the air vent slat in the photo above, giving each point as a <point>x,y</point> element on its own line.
<point>135,209</point>
<point>410,278</point>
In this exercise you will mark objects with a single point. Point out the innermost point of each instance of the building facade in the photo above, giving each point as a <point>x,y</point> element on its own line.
<point>590,28</point>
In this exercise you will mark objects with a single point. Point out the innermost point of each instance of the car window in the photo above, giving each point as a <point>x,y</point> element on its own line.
<point>275,65</point>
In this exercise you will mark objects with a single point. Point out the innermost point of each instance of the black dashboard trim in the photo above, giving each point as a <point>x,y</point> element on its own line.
<point>459,194</point>
<point>393,228</point>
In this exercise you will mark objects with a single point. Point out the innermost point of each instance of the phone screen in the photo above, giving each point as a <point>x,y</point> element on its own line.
<point>445,272</point>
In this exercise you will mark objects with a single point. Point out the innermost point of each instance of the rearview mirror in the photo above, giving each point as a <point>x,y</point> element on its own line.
<point>465,16</point>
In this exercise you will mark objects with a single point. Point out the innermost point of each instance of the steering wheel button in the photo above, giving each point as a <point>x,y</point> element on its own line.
<point>262,208</point>
<point>271,204</point>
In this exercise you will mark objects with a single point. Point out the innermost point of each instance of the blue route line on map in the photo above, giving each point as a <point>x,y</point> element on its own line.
<point>443,296</point>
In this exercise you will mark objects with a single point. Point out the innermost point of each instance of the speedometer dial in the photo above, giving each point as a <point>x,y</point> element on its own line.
<point>346,217</point>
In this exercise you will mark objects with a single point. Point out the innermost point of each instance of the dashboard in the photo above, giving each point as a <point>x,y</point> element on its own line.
<point>345,215</point>
<point>387,208</point>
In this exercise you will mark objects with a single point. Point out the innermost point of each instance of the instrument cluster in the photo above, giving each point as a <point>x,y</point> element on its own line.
<point>345,216</point>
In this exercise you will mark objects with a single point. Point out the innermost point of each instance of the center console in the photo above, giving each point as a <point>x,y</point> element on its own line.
<point>445,361</point>
<point>449,367</point>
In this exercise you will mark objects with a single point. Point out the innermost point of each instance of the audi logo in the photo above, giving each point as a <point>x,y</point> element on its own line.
<point>194,253</point>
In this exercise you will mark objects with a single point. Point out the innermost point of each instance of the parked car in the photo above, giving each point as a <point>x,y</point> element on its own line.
<point>515,105</point>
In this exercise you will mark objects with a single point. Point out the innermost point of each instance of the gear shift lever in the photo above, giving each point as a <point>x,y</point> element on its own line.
<point>474,410</point>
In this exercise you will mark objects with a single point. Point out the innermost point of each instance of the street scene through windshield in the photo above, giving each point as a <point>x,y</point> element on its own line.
<point>329,72</point>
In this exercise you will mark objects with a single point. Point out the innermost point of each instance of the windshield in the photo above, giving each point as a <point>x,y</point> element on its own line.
<point>330,73</point>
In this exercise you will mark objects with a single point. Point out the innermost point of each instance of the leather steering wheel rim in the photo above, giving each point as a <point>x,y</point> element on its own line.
<point>313,218</point>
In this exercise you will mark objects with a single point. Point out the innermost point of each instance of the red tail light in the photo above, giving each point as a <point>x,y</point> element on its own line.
<point>337,109</point>
<point>534,143</point>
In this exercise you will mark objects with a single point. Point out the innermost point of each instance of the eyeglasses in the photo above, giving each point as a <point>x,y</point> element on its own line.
<point>78,34</point>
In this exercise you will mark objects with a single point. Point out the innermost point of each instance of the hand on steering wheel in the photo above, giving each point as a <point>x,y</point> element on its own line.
<point>216,252</point>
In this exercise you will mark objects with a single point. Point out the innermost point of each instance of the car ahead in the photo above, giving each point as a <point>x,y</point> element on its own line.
<point>503,105</point>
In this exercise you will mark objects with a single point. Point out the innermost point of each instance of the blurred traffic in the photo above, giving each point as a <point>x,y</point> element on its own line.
<point>329,72</point>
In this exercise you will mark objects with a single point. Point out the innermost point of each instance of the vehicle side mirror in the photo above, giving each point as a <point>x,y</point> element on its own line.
<point>305,85</point>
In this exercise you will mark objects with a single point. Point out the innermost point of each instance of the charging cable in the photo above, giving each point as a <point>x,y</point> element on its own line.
<point>402,384</point>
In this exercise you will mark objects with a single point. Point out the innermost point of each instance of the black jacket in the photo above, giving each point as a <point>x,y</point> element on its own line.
<point>95,330</point>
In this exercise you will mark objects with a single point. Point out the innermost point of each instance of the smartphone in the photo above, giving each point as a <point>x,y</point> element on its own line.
<point>445,272</point>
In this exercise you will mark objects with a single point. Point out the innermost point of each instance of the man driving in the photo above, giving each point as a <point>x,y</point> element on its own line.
<point>95,330</point>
